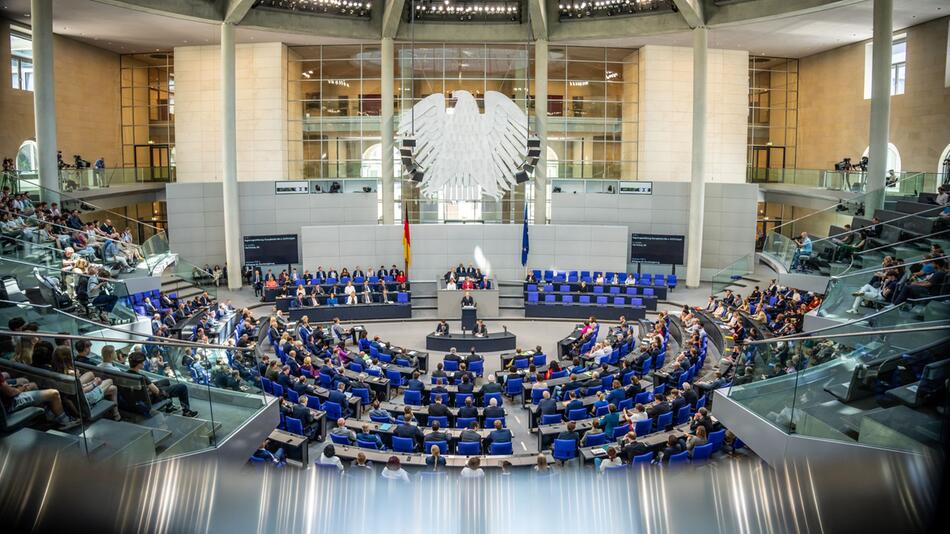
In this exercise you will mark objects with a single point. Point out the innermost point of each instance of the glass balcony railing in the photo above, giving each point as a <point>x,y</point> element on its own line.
<point>830,256</point>
<point>102,298</point>
<point>219,383</point>
<point>904,183</point>
<point>75,180</point>
<point>731,273</point>
<point>853,295</point>
<point>151,257</point>
<point>850,383</point>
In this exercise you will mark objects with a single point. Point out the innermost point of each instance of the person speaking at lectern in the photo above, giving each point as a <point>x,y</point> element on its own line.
<point>468,299</point>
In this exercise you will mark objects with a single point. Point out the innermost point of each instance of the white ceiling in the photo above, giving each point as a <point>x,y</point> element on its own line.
<point>125,31</point>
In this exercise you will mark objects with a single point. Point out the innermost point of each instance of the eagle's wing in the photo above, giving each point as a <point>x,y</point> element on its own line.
<point>504,134</point>
<point>426,123</point>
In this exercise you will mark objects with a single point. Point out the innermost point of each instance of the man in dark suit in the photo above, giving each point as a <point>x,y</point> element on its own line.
<point>438,409</point>
<point>438,389</point>
<point>408,430</point>
<point>617,394</point>
<point>470,434</point>
<point>452,356</point>
<point>472,357</point>
<point>367,436</point>
<point>149,307</point>
<point>466,386</point>
<point>480,329</point>
<point>414,384</point>
<point>547,406</point>
<point>337,396</point>
<point>301,387</point>
<point>677,402</point>
<point>673,446</point>
<point>300,411</point>
<point>690,394</point>
<point>469,410</point>
<point>442,329</point>
<point>570,433</point>
<point>500,434</point>
<point>491,386</point>
<point>575,403</point>
<point>701,418</point>
<point>436,434</point>
<point>439,371</point>
<point>660,407</point>
<point>285,379</point>
<point>630,447</point>
<point>493,410</point>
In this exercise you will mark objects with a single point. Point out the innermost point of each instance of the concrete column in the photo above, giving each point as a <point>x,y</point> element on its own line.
<point>880,102</point>
<point>44,99</point>
<point>387,176</point>
<point>541,128</point>
<point>697,188</point>
<point>232,207</point>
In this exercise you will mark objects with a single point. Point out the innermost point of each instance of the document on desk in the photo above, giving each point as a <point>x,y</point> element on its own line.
<point>386,427</point>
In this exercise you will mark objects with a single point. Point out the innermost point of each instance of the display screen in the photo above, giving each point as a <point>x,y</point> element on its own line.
<point>270,249</point>
<point>657,248</point>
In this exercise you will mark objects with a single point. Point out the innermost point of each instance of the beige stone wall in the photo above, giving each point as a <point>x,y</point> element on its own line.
<point>87,101</point>
<point>261,112</point>
<point>834,116</point>
<point>666,114</point>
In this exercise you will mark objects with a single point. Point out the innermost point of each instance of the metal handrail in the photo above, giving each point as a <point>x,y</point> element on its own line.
<point>852,334</point>
<point>59,270</point>
<point>902,242</point>
<point>150,339</point>
<point>886,223</point>
<point>875,269</point>
<point>36,184</point>
<point>835,206</point>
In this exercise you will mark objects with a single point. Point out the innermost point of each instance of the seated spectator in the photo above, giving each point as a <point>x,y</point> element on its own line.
<point>328,457</point>
<point>394,471</point>
<point>18,397</point>
<point>162,389</point>
<point>435,460</point>
<point>93,387</point>
<point>277,457</point>
<point>612,460</point>
<point>473,469</point>
<point>342,431</point>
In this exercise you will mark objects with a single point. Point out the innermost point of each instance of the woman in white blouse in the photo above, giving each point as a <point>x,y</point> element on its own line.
<point>473,469</point>
<point>394,471</point>
<point>329,457</point>
<point>350,293</point>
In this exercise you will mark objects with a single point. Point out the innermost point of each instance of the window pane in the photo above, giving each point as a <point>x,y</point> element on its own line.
<point>15,71</point>
<point>899,52</point>
<point>21,46</point>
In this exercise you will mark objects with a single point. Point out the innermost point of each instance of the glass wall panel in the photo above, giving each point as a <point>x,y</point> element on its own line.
<point>148,112</point>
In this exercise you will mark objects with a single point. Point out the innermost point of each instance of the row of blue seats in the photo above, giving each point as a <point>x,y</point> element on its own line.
<point>597,290</point>
<point>534,298</point>
<point>408,445</point>
<point>414,398</point>
<point>646,279</point>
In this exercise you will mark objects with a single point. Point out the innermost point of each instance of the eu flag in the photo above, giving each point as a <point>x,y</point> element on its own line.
<point>524,238</point>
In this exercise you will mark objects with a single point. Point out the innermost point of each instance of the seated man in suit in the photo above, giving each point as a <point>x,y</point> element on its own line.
<point>547,406</point>
<point>340,430</point>
<point>439,371</point>
<point>472,357</point>
<point>466,386</point>
<point>630,447</point>
<point>493,410</point>
<point>570,433</point>
<point>470,434</point>
<point>442,329</point>
<point>408,430</point>
<point>491,386</point>
<point>380,413</point>
<point>469,410</point>
<point>438,409</point>
<point>366,435</point>
<point>480,329</point>
<point>338,396</point>
<point>436,434</point>
<point>500,434</point>
<point>438,389</point>
<point>414,384</point>
<point>660,407</point>
<point>575,403</point>
<point>453,356</point>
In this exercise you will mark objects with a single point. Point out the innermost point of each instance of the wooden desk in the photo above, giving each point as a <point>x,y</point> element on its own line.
<point>451,460</point>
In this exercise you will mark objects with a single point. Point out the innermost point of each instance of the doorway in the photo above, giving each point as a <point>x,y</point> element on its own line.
<point>153,163</point>
<point>768,163</point>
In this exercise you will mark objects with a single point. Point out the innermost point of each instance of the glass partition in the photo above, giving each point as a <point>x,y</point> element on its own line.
<point>88,179</point>
<point>213,388</point>
<point>854,294</point>
<point>858,387</point>
<point>732,272</point>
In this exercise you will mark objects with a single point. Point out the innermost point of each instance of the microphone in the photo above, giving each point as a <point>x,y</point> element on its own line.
<point>505,327</point>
